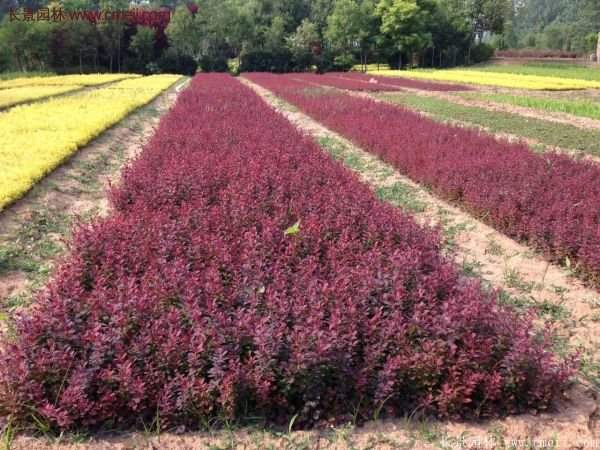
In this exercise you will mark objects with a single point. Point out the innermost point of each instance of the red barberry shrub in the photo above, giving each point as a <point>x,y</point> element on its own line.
<point>243,272</point>
<point>535,53</point>
<point>549,201</point>
<point>342,82</point>
<point>387,82</point>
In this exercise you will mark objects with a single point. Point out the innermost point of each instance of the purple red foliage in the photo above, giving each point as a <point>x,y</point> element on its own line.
<point>535,53</point>
<point>403,82</point>
<point>242,273</point>
<point>340,82</point>
<point>549,201</point>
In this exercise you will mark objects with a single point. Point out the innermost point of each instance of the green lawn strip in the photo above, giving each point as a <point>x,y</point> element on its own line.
<point>545,69</point>
<point>548,133</point>
<point>582,108</point>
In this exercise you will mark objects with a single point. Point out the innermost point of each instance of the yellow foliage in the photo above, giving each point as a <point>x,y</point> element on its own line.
<point>508,80</point>
<point>14,96</point>
<point>371,67</point>
<point>67,80</point>
<point>36,138</point>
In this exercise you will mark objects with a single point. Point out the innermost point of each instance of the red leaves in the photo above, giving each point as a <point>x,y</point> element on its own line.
<point>388,83</point>
<point>190,302</point>
<point>549,201</point>
<point>343,82</point>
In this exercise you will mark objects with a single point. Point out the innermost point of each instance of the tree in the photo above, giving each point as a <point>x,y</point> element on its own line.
<point>274,35</point>
<point>306,36</point>
<point>450,35</point>
<point>304,44</point>
<point>183,33</point>
<point>352,26</point>
<point>407,23</point>
<point>483,15</point>
<point>142,45</point>
<point>111,31</point>
<point>81,38</point>
<point>319,12</point>
<point>26,44</point>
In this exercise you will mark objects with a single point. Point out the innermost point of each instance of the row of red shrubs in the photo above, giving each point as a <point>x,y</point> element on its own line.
<point>354,81</point>
<point>332,80</point>
<point>387,82</point>
<point>243,273</point>
<point>549,201</point>
<point>533,53</point>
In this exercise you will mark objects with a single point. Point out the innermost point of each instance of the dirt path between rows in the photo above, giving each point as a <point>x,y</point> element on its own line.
<point>505,264</point>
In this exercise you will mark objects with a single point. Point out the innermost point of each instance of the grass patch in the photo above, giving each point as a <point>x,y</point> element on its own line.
<point>403,196</point>
<point>37,242</point>
<point>548,133</point>
<point>548,311</point>
<point>339,152</point>
<point>398,193</point>
<point>581,108</point>
<point>545,69</point>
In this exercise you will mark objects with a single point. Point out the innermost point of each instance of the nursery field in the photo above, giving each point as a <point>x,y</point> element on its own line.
<point>38,137</point>
<point>64,80</point>
<point>14,96</point>
<point>549,69</point>
<point>507,79</point>
<point>305,261</point>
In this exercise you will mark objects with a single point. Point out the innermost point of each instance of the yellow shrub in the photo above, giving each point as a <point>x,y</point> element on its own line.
<point>508,80</point>
<point>36,138</point>
<point>67,80</point>
<point>13,96</point>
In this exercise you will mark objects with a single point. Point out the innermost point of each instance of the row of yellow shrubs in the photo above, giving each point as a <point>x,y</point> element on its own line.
<point>38,137</point>
<point>508,80</point>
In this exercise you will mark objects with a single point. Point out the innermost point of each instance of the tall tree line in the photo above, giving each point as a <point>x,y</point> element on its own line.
<point>569,25</point>
<point>277,35</point>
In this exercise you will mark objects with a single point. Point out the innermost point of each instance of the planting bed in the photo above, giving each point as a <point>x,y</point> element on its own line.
<point>342,83</point>
<point>38,137</point>
<point>549,201</point>
<point>245,273</point>
<point>66,80</point>
<point>404,82</point>
<point>508,80</point>
<point>15,96</point>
